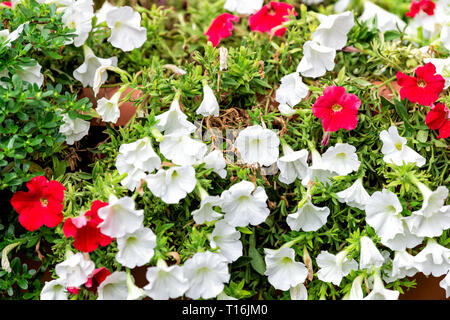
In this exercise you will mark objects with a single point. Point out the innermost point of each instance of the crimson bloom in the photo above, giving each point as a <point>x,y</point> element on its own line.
<point>270,16</point>
<point>221,28</point>
<point>438,118</point>
<point>84,229</point>
<point>423,89</point>
<point>6,3</point>
<point>97,278</point>
<point>426,6</point>
<point>41,205</point>
<point>337,109</point>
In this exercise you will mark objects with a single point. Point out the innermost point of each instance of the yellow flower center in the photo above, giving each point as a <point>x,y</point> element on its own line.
<point>398,146</point>
<point>421,83</point>
<point>44,201</point>
<point>336,108</point>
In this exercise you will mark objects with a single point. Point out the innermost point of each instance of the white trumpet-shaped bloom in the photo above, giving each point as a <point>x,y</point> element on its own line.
<point>103,11</point>
<point>403,265</point>
<point>445,37</point>
<point>54,290</point>
<point>383,213</point>
<point>445,284</point>
<point>286,110</point>
<point>370,256</point>
<point>227,239</point>
<point>244,204</point>
<point>216,161</point>
<point>317,60</point>
<point>333,29</point>
<point>354,196</point>
<point>74,129</point>
<point>207,272</point>
<point>317,171</point>
<point>206,212</point>
<point>174,120</point>
<point>334,267</point>
<point>7,37</point>
<point>165,281</point>
<point>108,109</point>
<point>292,165</point>
<point>403,240</point>
<point>433,259</point>
<point>258,145</point>
<point>75,270</point>
<point>86,72</point>
<point>282,270</point>
<point>308,217</point>
<point>243,7</point>
<point>126,31</point>
<point>136,248</point>
<point>139,154</point>
<point>341,158</point>
<point>292,90</point>
<point>385,20</point>
<point>181,149</point>
<point>31,74</point>
<point>78,16</point>
<point>299,292</point>
<point>114,287</point>
<point>209,105</point>
<point>379,292</point>
<point>120,217</point>
<point>396,151</point>
<point>173,184</point>
<point>356,292</point>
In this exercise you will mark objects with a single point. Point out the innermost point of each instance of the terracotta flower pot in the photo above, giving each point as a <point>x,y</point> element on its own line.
<point>127,109</point>
<point>427,289</point>
<point>385,90</point>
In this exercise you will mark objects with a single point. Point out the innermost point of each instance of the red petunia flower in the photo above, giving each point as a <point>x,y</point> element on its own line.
<point>84,229</point>
<point>221,28</point>
<point>426,6</point>
<point>73,290</point>
<point>438,118</point>
<point>337,109</point>
<point>423,89</point>
<point>270,16</point>
<point>7,3</point>
<point>97,278</point>
<point>41,205</point>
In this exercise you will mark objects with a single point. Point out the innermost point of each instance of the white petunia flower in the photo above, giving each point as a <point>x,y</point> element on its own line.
<point>341,158</point>
<point>396,151</point>
<point>383,213</point>
<point>282,270</point>
<point>140,154</point>
<point>341,5</point>
<point>442,68</point>
<point>385,20</point>
<point>333,29</point>
<point>292,90</point>
<point>243,7</point>
<point>209,105</point>
<point>216,161</point>
<point>445,37</point>
<point>402,241</point>
<point>299,292</point>
<point>78,15</point>
<point>317,60</point>
<point>75,270</point>
<point>165,282</point>
<point>317,171</point>
<point>370,257</point>
<point>308,217</point>
<point>174,120</point>
<point>258,145</point>
<point>243,204</point>
<point>108,109</point>
<point>9,37</point>
<point>310,2</point>
<point>173,184</point>
<point>433,259</point>
<point>286,110</point>
<point>379,292</point>
<point>207,272</point>
<point>126,31</point>
<point>74,130</point>
<point>54,290</point>
<point>114,287</point>
<point>445,284</point>
<point>181,149</point>
<point>334,267</point>
<point>86,72</point>
<point>434,217</point>
<point>292,165</point>
<point>206,212</point>
<point>356,292</point>
<point>136,248</point>
<point>226,238</point>
<point>31,74</point>
<point>354,196</point>
<point>403,265</point>
<point>134,292</point>
<point>120,217</point>
<point>103,11</point>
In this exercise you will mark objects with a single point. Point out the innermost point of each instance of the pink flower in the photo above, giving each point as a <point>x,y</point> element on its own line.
<point>221,28</point>
<point>438,118</point>
<point>426,6</point>
<point>7,3</point>
<point>41,205</point>
<point>337,109</point>
<point>271,16</point>
<point>423,89</point>
<point>84,229</point>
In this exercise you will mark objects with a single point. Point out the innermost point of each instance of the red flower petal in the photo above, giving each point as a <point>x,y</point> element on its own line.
<point>271,16</point>
<point>426,6</point>
<point>220,28</point>
<point>97,277</point>
<point>444,131</point>
<point>8,4</point>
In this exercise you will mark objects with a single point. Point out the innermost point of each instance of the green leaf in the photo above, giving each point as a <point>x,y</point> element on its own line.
<point>257,261</point>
